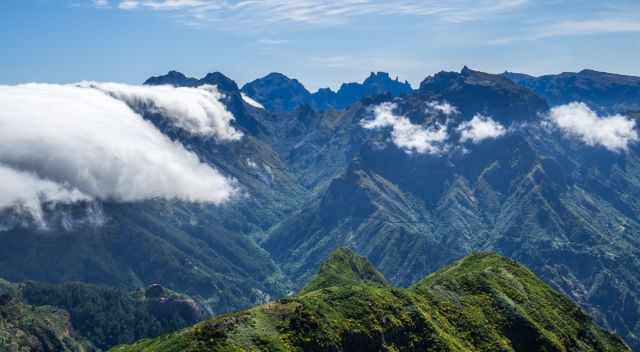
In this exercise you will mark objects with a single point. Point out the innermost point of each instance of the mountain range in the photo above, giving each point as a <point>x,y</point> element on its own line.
<point>603,91</point>
<point>538,169</point>
<point>279,93</point>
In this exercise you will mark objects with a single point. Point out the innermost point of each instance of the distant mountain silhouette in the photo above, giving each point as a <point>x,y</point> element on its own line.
<point>604,92</point>
<point>279,93</point>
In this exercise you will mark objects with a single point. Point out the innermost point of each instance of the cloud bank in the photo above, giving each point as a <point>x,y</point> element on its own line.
<point>480,128</point>
<point>63,144</point>
<point>196,110</point>
<point>406,135</point>
<point>615,132</point>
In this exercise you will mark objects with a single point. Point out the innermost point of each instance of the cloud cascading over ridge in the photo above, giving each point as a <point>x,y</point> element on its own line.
<point>614,132</point>
<point>480,128</point>
<point>65,143</point>
<point>405,134</point>
<point>27,191</point>
<point>195,110</point>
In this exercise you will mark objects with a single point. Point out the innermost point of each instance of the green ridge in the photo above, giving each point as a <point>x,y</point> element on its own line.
<point>344,268</point>
<point>481,303</point>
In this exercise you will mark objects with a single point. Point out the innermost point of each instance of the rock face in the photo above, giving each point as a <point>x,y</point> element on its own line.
<point>173,78</point>
<point>474,92</point>
<point>278,93</point>
<point>376,84</point>
<point>481,303</point>
<point>604,92</point>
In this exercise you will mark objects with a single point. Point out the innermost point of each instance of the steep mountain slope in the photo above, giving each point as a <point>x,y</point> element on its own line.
<point>38,329</point>
<point>565,209</point>
<point>482,303</point>
<point>277,92</point>
<point>603,91</point>
<point>79,317</point>
<point>203,250</point>
<point>344,268</point>
<point>313,181</point>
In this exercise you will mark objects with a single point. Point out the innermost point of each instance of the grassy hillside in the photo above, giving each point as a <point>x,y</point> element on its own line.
<point>481,303</point>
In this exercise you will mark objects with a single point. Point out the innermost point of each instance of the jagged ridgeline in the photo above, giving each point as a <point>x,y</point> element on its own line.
<point>483,302</point>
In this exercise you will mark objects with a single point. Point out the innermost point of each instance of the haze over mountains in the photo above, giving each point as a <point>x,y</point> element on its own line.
<point>253,187</point>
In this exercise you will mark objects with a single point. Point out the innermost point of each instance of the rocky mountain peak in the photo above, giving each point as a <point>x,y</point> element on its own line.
<point>173,78</point>
<point>277,92</point>
<point>475,92</point>
<point>224,83</point>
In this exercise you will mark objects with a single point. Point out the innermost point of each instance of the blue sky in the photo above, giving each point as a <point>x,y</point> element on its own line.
<point>320,42</point>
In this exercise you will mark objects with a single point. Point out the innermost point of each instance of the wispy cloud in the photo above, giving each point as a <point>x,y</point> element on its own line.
<point>128,5</point>
<point>325,11</point>
<point>101,3</point>
<point>574,28</point>
<point>267,41</point>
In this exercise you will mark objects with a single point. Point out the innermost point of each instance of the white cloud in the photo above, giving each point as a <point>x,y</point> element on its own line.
<point>247,99</point>
<point>405,134</point>
<point>26,192</point>
<point>128,5</point>
<point>62,144</point>
<point>593,26</point>
<point>195,110</point>
<point>268,12</point>
<point>578,120</point>
<point>176,4</point>
<point>479,129</point>
<point>441,107</point>
<point>101,3</point>
<point>573,28</point>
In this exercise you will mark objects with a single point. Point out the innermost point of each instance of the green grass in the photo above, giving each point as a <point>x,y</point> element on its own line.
<point>481,303</point>
<point>345,268</point>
